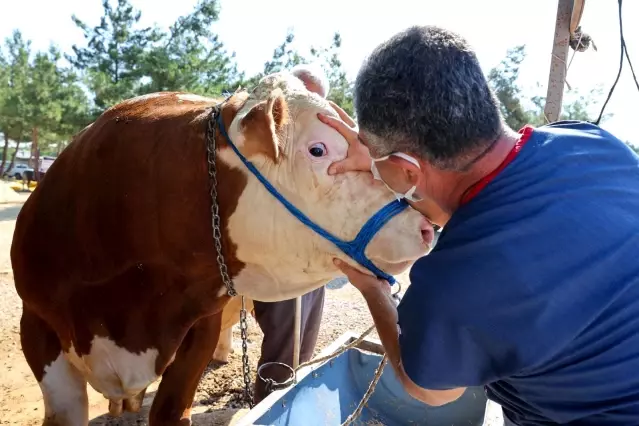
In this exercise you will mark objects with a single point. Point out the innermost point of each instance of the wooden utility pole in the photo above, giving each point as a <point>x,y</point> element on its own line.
<point>559,61</point>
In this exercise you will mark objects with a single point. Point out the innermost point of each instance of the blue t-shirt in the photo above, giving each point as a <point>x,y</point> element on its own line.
<point>533,287</point>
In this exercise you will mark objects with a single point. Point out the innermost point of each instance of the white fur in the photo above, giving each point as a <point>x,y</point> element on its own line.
<point>114,371</point>
<point>192,98</point>
<point>141,98</point>
<point>64,391</point>
<point>283,257</point>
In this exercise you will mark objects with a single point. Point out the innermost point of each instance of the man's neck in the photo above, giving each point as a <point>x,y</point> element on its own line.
<point>479,170</point>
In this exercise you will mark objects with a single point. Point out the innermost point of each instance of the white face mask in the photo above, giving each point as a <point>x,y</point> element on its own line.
<point>408,194</point>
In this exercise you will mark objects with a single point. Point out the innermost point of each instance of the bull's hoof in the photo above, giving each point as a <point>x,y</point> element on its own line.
<point>221,356</point>
<point>53,421</point>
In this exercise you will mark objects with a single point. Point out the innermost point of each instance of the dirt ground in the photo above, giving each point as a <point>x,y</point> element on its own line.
<point>219,397</point>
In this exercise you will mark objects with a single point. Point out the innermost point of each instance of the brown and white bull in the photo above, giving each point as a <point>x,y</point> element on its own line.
<point>113,253</point>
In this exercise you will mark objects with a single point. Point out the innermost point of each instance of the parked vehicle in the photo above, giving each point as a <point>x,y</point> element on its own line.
<point>18,170</point>
<point>45,163</point>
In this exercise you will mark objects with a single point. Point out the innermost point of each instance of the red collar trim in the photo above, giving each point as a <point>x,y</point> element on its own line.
<point>472,192</point>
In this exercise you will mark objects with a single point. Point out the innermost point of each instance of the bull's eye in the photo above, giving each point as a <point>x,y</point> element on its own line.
<point>317,150</point>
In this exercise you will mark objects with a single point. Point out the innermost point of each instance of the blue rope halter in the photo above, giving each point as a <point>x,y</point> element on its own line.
<point>354,249</point>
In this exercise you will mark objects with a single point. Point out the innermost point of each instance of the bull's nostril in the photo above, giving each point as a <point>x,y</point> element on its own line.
<point>428,233</point>
<point>428,236</point>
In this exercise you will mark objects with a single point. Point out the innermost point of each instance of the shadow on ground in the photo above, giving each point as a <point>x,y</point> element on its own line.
<point>9,212</point>
<point>201,415</point>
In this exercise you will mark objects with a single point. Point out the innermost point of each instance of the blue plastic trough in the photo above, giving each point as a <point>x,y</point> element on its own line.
<point>326,394</point>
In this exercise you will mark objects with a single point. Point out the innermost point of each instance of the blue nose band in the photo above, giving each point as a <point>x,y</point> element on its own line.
<point>355,248</point>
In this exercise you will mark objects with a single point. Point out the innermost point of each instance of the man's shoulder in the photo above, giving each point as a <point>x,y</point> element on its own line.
<point>536,220</point>
<point>575,128</point>
<point>582,136</point>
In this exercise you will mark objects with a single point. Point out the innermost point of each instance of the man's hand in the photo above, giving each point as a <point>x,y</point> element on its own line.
<point>363,282</point>
<point>357,157</point>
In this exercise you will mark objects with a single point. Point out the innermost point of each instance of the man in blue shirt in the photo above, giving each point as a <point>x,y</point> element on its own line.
<point>533,287</point>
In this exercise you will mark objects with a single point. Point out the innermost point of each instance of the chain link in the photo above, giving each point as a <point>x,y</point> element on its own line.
<point>215,208</point>
<point>245,359</point>
<point>217,236</point>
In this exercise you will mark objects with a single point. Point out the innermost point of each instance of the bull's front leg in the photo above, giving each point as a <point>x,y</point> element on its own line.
<point>173,400</point>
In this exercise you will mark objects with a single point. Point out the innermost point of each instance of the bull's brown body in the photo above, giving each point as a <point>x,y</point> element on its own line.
<point>116,242</point>
<point>114,256</point>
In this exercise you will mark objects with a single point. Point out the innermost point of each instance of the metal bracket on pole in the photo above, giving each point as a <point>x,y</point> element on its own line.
<point>297,332</point>
<point>558,62</point>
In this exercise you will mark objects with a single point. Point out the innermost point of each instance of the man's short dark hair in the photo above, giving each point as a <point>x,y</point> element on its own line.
<point>423,91</point>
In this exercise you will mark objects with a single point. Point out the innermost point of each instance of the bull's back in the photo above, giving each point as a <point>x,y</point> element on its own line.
<point>130,192</point>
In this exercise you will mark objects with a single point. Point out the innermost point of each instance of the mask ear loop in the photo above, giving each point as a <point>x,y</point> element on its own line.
<point>408,194</point>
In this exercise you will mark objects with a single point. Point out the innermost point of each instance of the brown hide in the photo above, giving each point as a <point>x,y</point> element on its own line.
<point>116,241</point>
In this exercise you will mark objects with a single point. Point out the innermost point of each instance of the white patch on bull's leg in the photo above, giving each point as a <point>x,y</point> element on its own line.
<point>64,391</point>
<point>114,371</point>
<point>224,346</point>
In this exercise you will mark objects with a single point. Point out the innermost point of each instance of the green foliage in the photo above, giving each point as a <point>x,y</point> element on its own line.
<point>14,109</point>
<point>190,57</point>
<point>38,97</point>
<point>503,80</point>
<point>120,59</point>
<point>286,57</point>
<point>341,88</point>
<point>111,60</point>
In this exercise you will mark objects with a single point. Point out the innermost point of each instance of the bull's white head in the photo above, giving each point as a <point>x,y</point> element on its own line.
<point>277,129</point>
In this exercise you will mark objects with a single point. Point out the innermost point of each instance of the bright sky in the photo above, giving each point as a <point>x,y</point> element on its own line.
<point>253,28</point>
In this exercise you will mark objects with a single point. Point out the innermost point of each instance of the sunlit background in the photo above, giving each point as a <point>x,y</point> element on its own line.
<point>253,28</point>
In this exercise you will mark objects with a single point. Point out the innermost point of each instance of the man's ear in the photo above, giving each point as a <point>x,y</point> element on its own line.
<point>263,126</point>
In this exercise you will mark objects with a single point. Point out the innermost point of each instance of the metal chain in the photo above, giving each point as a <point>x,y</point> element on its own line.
<point>217,236</point>
<point>215,208</point>
<point>246,369</point>
<point>369,392</point>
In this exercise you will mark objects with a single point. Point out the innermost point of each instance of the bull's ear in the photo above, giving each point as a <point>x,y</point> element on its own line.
<point>263,126</point>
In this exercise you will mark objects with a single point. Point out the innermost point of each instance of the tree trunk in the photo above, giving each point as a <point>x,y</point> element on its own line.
<point>13,157</point>
<point>36,150</point>
<point>4,153</point>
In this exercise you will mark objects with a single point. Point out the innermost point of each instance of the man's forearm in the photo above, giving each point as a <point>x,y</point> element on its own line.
<point>384,312</point>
